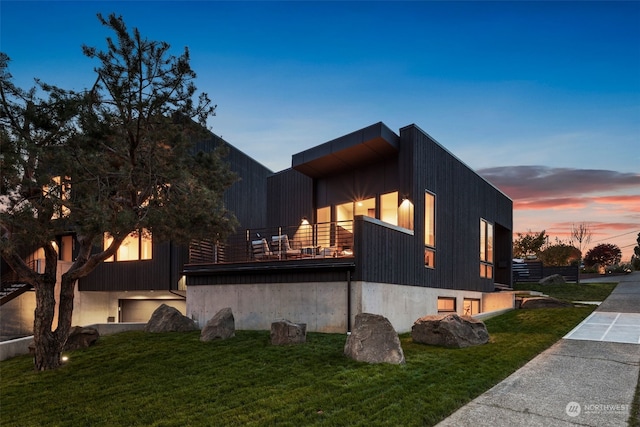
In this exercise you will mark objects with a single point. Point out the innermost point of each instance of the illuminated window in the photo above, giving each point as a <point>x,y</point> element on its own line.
<point>389,208</point>
<point>59,192</point>
<point>486,249</point>
<point>323,226</point>
<point>446,305</point>
<point>323,215</point>
<point>429,230</point>
<point>344,216</point>
<point>470,306</point>
<point>366,207</point>
<point>137,246</point>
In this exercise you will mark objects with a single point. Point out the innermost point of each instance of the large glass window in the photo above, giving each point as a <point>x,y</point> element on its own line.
<point>366,207</point>
<point>389,208</point>
<point>137,246</point>
<point>429,229</point>
<point>486,249</point>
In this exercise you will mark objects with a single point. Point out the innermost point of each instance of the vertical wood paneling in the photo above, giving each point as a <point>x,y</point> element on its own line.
<point>247,199</point>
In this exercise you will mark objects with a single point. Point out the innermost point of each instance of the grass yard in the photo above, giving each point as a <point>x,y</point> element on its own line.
<point>173,379</point>
<point>571,291</point>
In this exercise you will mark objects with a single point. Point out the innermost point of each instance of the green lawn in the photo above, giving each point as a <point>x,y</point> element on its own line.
<point>173,379</point>
<point>571,291</point>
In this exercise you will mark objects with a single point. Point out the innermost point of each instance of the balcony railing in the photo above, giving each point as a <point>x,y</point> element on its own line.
<point>324,240</point>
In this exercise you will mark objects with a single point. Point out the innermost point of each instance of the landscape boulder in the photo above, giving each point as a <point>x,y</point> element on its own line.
<point>449,330</point>
<point>544,302</point>
<point>221,326</point>
<point>81,337</point>
<point>169,319</point>
<point>374,340</point>
<point>285,332</point>
<point>554,279</point>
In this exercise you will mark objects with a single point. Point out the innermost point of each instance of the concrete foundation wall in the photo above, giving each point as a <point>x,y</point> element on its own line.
<point>498,301</point>
<point>403,305</point>
<point>323,306</point>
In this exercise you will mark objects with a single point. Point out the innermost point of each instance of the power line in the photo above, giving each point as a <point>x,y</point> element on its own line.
<point>613,237</point>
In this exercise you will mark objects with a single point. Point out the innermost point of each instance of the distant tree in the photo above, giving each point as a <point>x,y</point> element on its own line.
<point>559,254</point>
<point>106,163</point>
<point>635,258</point>
<point>604,254</point>
<point>529,244</point>
<point>580,235</point>
<point>580,238</point>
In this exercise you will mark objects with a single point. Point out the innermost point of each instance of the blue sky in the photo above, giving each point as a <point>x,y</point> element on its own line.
<point>542,98</point>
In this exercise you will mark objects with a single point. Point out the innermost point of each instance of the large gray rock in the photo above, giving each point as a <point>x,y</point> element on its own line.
<point>221,326</point>
<point>285,332</point>
<point>374,340</point>
<point>554,279</point>
<point>169,319</point>
<point>80,337</point>
<point>544,302</point>
<point>449,330</point>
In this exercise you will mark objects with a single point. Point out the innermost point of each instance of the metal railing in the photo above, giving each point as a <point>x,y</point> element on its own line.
<point>323,240</point>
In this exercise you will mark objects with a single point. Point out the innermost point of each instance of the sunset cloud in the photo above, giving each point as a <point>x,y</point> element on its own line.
<point>551,199</point>
<point>542,182</point>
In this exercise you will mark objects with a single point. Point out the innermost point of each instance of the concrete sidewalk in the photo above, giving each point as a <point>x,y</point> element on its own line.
<point>587,380</point>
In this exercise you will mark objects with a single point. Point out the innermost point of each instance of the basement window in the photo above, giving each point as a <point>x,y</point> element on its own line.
<point>446,305</point>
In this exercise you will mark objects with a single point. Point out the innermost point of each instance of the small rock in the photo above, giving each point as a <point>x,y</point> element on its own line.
<point>544,302</point>
<point>554,279</point>
<point>220,326</point>
<point>285,332</point>
<point>80,337</point>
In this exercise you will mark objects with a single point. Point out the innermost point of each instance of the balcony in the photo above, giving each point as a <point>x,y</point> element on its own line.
<point>286,243</point>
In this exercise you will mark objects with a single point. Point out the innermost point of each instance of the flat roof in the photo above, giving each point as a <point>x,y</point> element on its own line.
<point>367,145</point>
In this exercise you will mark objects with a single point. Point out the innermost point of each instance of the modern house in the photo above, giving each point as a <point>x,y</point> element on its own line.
<point>372,221</point>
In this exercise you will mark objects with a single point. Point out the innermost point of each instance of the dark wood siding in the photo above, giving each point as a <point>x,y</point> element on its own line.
<point>462,199</point>
<point>382,253</point>
<point>290,198</point>
<point>246,198</point>
<point>249,191</point>
<point>162,272</point>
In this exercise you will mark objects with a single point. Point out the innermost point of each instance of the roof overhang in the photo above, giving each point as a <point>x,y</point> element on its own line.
<point>369,145</point>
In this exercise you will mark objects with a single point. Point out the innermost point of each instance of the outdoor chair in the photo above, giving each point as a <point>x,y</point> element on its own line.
<point>261,249</point>
<point>281,247</point>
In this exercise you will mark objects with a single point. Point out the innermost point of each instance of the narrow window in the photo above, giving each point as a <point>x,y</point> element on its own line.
<point>323,226</point>
<point>389,208</point>
<point>429,229</point>
<point>486,249</point>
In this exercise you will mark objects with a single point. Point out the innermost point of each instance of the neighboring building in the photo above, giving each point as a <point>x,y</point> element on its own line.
<point>369,222</point>
<point>144,273</point>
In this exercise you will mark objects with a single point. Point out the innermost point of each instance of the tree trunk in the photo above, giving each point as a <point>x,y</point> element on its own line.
<point>47,344</point>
